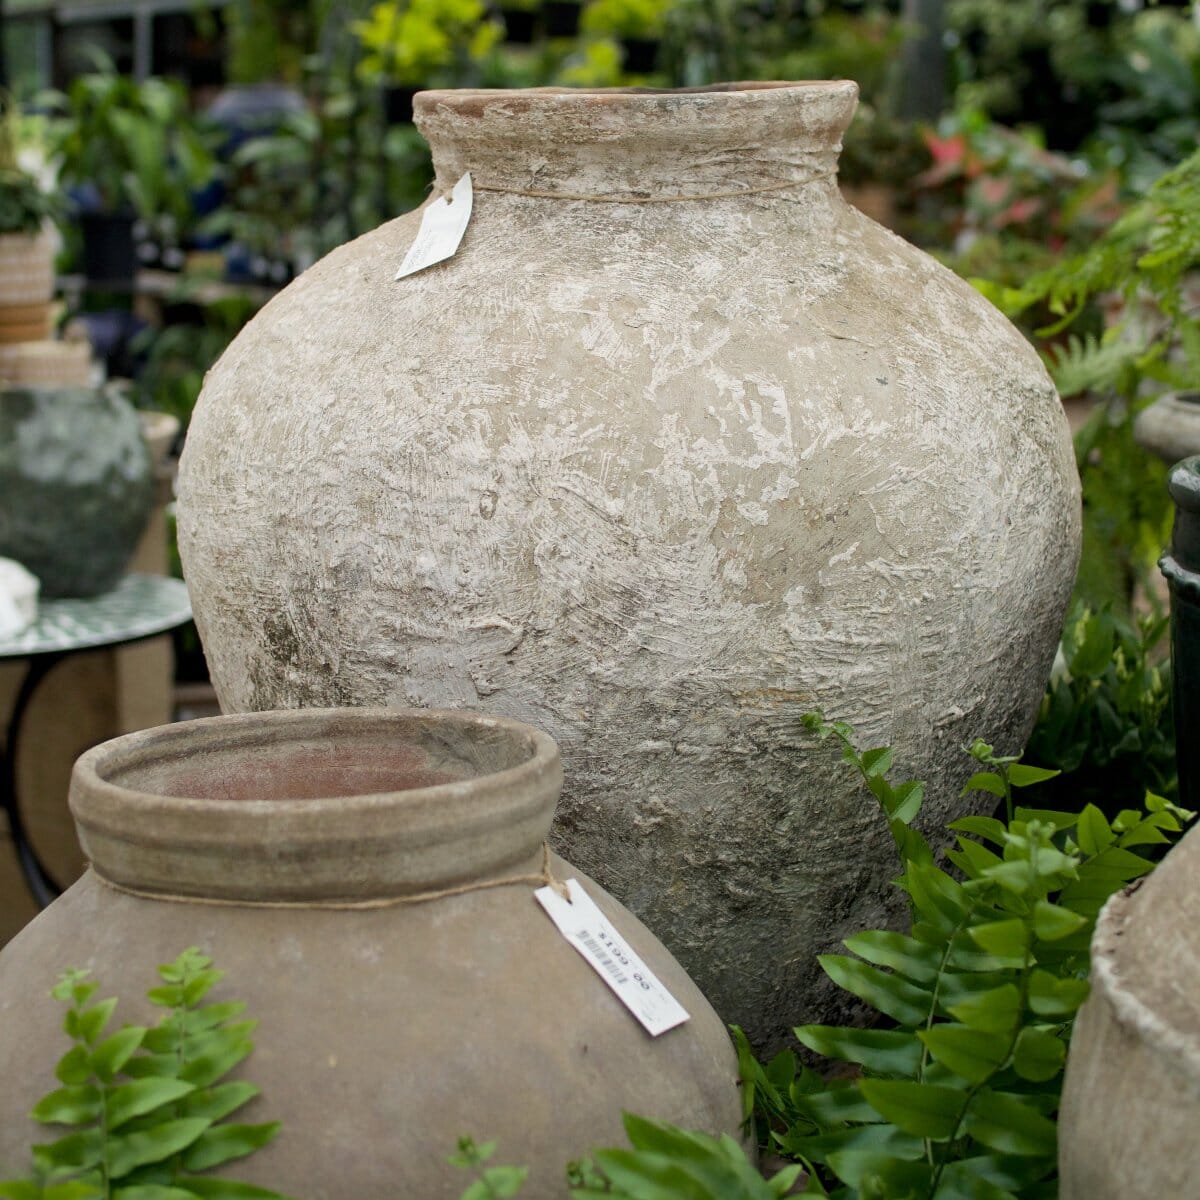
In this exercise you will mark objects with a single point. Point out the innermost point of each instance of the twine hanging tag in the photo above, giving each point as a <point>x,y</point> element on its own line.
<point>442,227</point>
<point>589,931</point>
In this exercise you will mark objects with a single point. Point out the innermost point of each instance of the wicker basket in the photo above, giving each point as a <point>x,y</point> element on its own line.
<point>25,323</point>
<point>46,364</point>
<point>26,268</point>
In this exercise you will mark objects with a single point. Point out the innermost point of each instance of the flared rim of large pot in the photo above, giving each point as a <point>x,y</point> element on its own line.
<point>619,144</point>
<point>825,106</point>
<point>316,805</point>
<point>469,98</point>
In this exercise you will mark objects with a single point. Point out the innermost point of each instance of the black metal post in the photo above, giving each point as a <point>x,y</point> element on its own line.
<point>1181,566</point>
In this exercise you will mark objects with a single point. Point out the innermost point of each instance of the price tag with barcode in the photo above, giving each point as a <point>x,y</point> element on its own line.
<point>591,933</point>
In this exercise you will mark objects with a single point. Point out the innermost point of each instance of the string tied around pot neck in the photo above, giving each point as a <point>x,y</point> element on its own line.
<point>545,877</point>
<point>591,198</point>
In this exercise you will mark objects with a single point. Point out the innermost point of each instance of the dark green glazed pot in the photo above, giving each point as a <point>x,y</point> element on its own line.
<point>1181,566</point>
<point>76,486</point>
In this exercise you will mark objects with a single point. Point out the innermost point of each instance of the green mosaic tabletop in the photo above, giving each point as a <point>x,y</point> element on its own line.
<point>139,606</point>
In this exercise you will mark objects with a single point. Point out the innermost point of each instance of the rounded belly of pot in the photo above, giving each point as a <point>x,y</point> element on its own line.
<point>659,508</point>
<point>384,1035</point>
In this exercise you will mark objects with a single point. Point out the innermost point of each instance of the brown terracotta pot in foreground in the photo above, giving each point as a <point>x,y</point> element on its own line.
<point>385,1032</point>
<point>1131,1100</point>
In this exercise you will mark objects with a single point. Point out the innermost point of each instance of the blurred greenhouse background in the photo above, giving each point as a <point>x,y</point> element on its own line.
<point>196,157</point>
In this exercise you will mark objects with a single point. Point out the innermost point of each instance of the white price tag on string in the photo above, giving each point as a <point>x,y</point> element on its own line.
<point>591,933</point>
<point>442,227</point>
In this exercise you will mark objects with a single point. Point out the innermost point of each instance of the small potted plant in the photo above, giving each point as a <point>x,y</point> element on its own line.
<point>409,45</point>
<point>26,243</point>
<point>127,150</point>
<point>637,24</point>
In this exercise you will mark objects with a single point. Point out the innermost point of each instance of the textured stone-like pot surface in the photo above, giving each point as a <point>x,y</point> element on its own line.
<point>1131,1099</point>
<point>75,486</point>
<point>385,1033</point>
<point>658,477</point>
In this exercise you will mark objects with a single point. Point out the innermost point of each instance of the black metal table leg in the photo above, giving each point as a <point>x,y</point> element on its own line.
<point>41,885</point>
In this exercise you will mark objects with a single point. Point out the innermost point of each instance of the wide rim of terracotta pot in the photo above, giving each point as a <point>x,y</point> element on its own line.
<point>741,137</point>
<point>317,805</point>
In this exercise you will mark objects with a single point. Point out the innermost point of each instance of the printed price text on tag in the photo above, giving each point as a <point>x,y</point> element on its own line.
<point>587,929</point>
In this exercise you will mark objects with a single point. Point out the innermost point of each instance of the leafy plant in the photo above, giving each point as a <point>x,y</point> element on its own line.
<point>1151,116</point>
<point>24,207</point>
<point>1105,720</point>
<point>624,18</point>
<point>664,1162</point>
<point>422,41</point>
<point>178,356</point>
<point>1134,284</point>
<point>268,39</point>
<point>130,146</point>
<point>954,1095</point>
<point>490,1183</point>
<point>146,1105</point>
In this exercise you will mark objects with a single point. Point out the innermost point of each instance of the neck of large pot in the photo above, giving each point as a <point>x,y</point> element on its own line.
<point>350,808</point>
<point>641,146</point>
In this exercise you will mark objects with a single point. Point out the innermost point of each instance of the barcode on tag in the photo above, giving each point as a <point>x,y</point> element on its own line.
<point>587,929</point>
<point>442,227</point>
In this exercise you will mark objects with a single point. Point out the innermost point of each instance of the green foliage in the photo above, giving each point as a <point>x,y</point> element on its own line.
<point>1105,720</point>
<point>490,1183</point>
<point>1150,118</point>
<point>625,18</point>
<point>178,356</point>
<point>1133,283</point>
<point>1093,73</point>
<point>416,41</point>
<point>24,207</point>
<point>956,1096</point>
<point>1149,252</point>
<point>146,1105</point>
<point>268,39</point>
<point>664,1163</point>
<point>132,146</point>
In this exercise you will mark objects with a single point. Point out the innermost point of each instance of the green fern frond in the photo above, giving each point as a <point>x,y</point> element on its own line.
<point>1090,364</point>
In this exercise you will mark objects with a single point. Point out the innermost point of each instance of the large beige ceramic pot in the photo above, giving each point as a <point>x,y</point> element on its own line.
<point>388,1027</point>
<point>675,448</point>
<point>1131,1100</point>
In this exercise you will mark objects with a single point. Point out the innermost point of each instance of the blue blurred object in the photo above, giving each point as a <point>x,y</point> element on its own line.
<point>111,332</point>
<point>250,110</point>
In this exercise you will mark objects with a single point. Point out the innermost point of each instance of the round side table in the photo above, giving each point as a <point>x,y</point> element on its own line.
<point>139,607</point>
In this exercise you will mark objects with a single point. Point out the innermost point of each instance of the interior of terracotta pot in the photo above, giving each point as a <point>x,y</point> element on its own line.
<point>308,763</point>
